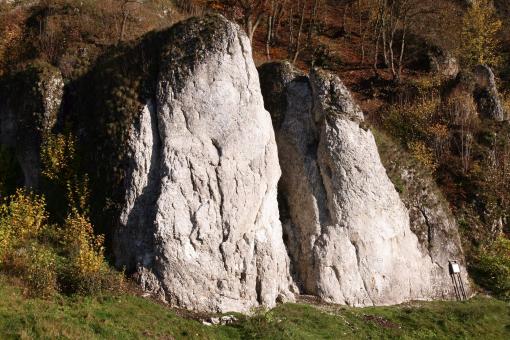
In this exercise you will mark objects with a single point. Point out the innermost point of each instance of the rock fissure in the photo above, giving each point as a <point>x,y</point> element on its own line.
<point>429,229</point>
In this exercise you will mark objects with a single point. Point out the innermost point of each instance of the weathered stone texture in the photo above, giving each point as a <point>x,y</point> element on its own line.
<point>348,232</point>
<point>201,223</point>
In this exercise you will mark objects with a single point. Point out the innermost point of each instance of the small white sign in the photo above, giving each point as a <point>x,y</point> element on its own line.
<point>455,268</point>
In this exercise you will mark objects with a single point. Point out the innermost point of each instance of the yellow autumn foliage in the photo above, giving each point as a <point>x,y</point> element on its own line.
<point>423,154</point>
<point>85,248</point>
<point>57,154</point>
<point>23,217</point>
<point>479,37</point>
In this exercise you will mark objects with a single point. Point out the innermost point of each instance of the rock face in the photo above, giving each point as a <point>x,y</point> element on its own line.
<point>432,222</point>
<point>431,218</point>
<point>486,94</point>
<point>200,224</point>
<point>480,85</point>
<point>347,230</point>
<point>29,106</point>
<point>442,62</point>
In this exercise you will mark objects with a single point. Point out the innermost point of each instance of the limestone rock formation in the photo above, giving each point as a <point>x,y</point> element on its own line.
<point>346,228</point>
<point>430,216</point>
<point>200,223</point>
<point>29,105</point>
<point>480,85</point>
<point>486,94</point>
<point>432,221</point>
<point>441,62</point>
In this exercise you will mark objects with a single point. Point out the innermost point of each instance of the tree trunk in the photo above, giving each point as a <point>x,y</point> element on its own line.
<point>376,53</point>
<point>384,41</point>
<point>277,22</point>
<point>269,35</point>
<point>402,49</point>
<point>360,26</point>
<point>300,30</point>
<point>346,26</point>
<point>392,54</point>
<point>248,26</point>
<point>313,21</point>
<point>291,30</point>
<point>123,25</point>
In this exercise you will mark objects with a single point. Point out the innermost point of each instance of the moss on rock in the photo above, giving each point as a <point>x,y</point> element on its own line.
<point>103,104</point>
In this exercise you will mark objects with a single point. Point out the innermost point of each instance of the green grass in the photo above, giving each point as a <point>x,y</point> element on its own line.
<point>131,317</point>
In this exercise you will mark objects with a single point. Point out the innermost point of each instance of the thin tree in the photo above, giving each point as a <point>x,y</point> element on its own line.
<point>297,48</point>
<point>126,11</point>
<point>313,21</point>
<point>274,15</point>
<point>252,13</point>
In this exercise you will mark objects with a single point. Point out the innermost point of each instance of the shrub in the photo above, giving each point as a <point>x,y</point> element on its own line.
<point>48,258</point>
<point>22,221</point>
<point>423,154</point>
<point>11,32</point>
<point>93,283</point>
<point>506,103</point>
<point>57,154</point>
<point>410,122</point>
<point>39,271</point>
<point>492,267</point>
<point>5,240</point>
<point>87,271</point>
<point>23,217</point>
<point>85,248</point>
<point>61,169</point>
<point>84,270</point>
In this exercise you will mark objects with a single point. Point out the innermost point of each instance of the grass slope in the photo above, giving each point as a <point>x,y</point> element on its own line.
<point>131,317</point>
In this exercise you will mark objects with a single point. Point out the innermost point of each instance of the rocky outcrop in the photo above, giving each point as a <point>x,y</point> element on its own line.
<point>480,85</point>
<point>29,106</point>
<point>441,62</point>
<point>200,222</point>
<point>432,221</point>
<point>430,216</point>
<point>486,94</point>
<point>347,230</point>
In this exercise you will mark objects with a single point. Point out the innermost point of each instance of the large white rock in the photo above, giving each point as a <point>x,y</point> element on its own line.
<point>347,230</point>
<point>200,224</point>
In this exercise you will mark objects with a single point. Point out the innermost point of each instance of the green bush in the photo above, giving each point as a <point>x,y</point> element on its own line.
<point>5,237</point>
<point>22,222</point>
<point>410,122</point>
<point>492,267</point>
<point>105,280</point>
<point>39,270</point>
<point>22,218</point>
<point>50,258</point>
<point>86,271</point>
